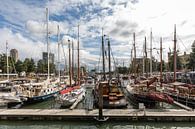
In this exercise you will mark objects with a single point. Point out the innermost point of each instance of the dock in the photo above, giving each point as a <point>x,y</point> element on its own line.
<point>111,114</point>
<point>89,99</point>
<point>182,106</point>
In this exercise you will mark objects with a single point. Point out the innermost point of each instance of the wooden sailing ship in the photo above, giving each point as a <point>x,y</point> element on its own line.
<point>181,92</point>
<point>109,91</point>
<point>145,91</point>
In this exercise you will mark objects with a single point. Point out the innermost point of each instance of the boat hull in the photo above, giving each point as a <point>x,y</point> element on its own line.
<point>135,99</point>
<point>36,99</point>
<point>190,102</point>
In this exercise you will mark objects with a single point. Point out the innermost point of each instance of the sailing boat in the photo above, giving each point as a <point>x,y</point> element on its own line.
<point>8,96</point>
<point>145,91</point>
<point>40,91</point>
<point>72,92</point>
<point>110,90</point>
<point>181,92</point>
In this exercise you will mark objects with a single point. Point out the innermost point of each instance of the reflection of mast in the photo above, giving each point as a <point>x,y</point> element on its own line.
<point>78,74</point>
<point>175,66</point>
<point>47,39</point>
<point>7,60</point>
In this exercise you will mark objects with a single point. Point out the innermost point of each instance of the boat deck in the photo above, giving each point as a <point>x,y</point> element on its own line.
<point>111,114</point>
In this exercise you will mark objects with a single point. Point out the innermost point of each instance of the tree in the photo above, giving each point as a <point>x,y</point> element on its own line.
<point>123,70</point>
<point>41,67</point>
<point>29,65</point>
<point>191,64</point>
<point>178,62</point>
<point>3,63</point>
<point>163,66</point>
<point>19,66</point>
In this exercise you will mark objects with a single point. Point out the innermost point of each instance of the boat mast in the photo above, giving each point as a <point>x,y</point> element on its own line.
<point>109,60</point>
<point>58,52</point>
<point>161,61</point>
<point>72,60</point>
<point>151,53</point>
<point>70,73</point>
<point>175,41</point>
<point>175,61</point>
<point>47,39</point>
<point>144,55</point>
<point>134,61</point>
<point>104,74</point>
<point>78,74</point>
<point>145,58</point>
<point>7,60</point>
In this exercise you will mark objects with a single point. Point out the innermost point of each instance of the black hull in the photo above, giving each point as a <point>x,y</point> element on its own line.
<point>14,105</point>
<point>190,102</point>
<point>138,98</point>
<point>38,99</point>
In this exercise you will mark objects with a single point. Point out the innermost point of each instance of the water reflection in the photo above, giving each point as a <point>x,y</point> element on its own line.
<point>92,125</point>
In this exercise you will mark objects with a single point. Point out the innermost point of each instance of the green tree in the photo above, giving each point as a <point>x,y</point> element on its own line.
<point>3,63</point>
<point>191,64</point>
<point>163,66</point>
<point>123,70</point>
<point>19,66</point>
<point>178,62</point>
<point>41,67</point>
<point>29,65</point>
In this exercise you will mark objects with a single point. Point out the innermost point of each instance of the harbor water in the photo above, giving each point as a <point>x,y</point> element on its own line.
<point>93,125</point>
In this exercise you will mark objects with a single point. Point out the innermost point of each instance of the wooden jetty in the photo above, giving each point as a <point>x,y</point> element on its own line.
<point>111,114</point>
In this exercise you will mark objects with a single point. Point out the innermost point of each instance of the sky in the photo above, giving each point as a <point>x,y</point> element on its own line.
<point>23,26</point>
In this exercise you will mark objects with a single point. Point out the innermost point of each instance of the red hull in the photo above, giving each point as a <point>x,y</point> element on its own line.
<point>161,97</point>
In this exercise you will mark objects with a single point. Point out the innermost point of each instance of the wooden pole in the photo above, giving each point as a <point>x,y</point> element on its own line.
<point>70,73</point>
<point>103,62</point>
<point>100,100</point>
<point>175,61</point>
<point>151,53</point>
<point>72,60</point>
<point>58,51</point>
<point>78,60</point>
<point>7,60</point>
<point>161,61</point>
<point>134,60</point>
<point>47,39</point>
<point>109,60</point>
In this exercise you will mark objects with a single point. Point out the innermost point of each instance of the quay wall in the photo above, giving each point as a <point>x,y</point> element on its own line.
<point>170,115</point>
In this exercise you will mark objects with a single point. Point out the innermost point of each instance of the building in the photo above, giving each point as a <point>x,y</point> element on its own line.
<point>138,66</point>
<point>14,54</point>
<point>51,57</point>
<point>184,59</point>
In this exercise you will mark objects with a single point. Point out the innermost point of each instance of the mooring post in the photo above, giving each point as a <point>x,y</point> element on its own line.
<point>100,101</point>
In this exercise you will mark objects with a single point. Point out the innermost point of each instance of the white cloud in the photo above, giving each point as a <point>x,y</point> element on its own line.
<point>26,48</point>
<point>124,19</point>
<point>39,28</point>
